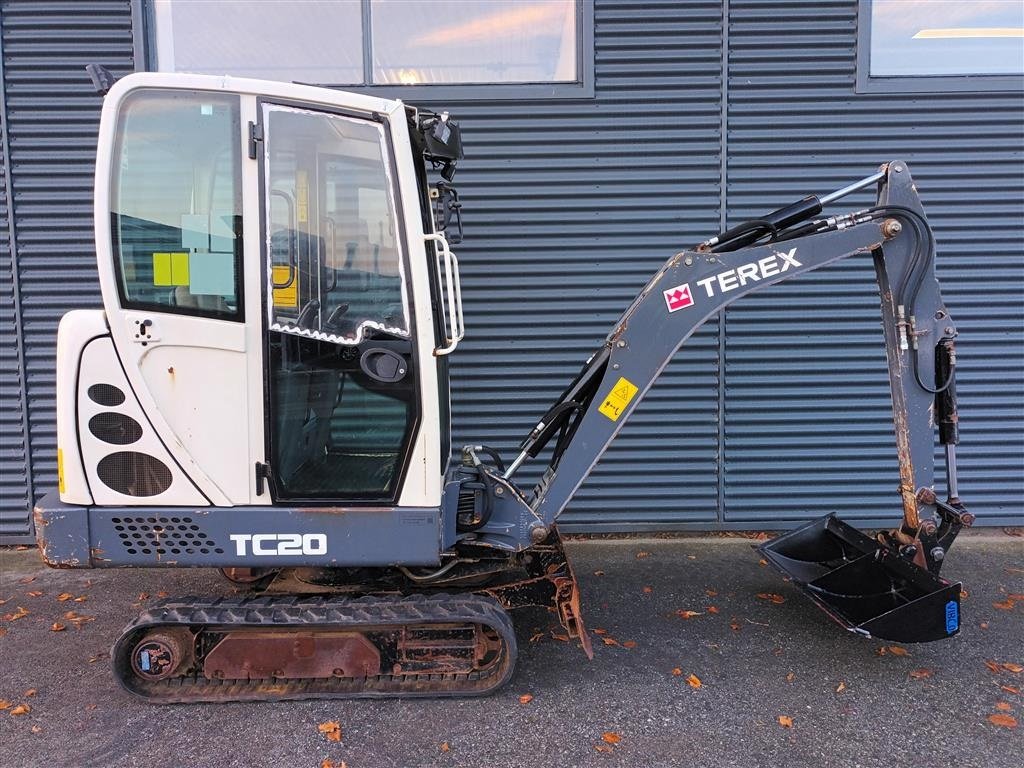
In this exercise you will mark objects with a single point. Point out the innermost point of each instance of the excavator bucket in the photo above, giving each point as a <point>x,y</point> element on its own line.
<point>864,584</point>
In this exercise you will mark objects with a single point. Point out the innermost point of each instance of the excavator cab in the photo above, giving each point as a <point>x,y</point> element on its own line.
<point>266,392</point>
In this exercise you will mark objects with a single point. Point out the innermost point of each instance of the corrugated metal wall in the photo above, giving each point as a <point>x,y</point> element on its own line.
<point>571,204</point>
<point>52,113</point>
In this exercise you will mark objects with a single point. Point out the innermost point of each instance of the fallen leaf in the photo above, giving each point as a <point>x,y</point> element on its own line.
<point>599,573</point>
<point>21,709</point>
<point>609,641</point>
<point>57,627</point>
<point>694,681</point>
<point>19,613</point>
<point>611,737</point>
<point>36,729</point>
<point>712,609</point>
<point>688,614</point>
<point>676,672</point>
<point>331,730</point>
<point>771,597</point>
<point>735,625</point>
<point>90,707</point>
<point>446,747</point>
<point>161,594</point>
<point>537,637</point>
<point>841,687</point>
<point>762,562</point>
<point>785,721</point>
<point>1004,706</point>
<point>641,555</point>
<point>984,625</point>
<point>63,597</point>
<point>691,557</point>
<point>3,631</point>
<point>30,693</point>
<point>559,638</point>
<point>1011,667</point>
<point>790,677</point>
<point>34,593</point>
<point>81,599</point>
<point>603,748</point>
<point>648,590</point>
<point>143,596</point>
<point>526,698</point>
<point>629,644</point>
<point>920,674</point>
<point>897,650</point>
<point>328,763</point>
<point>1006,605</point>
<point>1010,688</point>
<point>992,666</point>
<point>27,580</point>
<point>600,631</point>
<point>710,593</point>
<point>1006,721</point>
<point>5,704</point>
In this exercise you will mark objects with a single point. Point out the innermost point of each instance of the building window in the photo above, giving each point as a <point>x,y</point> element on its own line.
<point>939,45</point>
<point>544,46</point>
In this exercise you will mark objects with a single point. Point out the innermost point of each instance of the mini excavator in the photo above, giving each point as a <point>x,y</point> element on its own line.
<point>265,392</point>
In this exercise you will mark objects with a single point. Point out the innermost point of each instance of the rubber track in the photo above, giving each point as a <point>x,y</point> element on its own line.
<point>226,614</point>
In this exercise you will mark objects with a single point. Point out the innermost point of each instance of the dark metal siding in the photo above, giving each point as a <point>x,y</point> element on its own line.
<point>571,204</point>
<point>52,116</point>
<point>807,416</point>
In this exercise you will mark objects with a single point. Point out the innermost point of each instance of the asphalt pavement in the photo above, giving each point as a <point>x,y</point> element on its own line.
<point>779,683</point>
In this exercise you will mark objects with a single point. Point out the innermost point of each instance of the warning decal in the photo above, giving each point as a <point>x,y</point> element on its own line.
<point>617,400</point>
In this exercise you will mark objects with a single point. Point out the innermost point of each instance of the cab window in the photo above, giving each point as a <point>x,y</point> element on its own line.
<point>176,211</point>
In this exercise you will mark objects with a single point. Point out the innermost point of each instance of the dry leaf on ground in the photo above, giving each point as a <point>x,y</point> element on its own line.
<point>1004,706</point>
<point>19,613</point>
<point>328,763</point>
<point>331,730</point>
<point>841,687</point>
<point>734,624</point>
<point>688,614</point>
<point>1005,605</point>
<point>1006,721</point>
<point>57,627</point>
<point>34,593</point>
<point>920,674</point>
<point>629,644</point>
<point>611,737</point>
<point>27,580</point>
<point>694,681</point>
<point>1011,667</point>
<point>785,721</point>
<point>641,555</point>
<point>897,650</point>
<point>677,672</point>
<point>526,698</point>
<point>446,747</point>
<point>5,704</point>
<point>609,641</point>
<point>712,609</point>
<point>771,597</point>
<point>648,590</point>
<point>21,709</point>
<point>599,573</point>
<point>992,666</point>
<point>791,677</point>
<point>30,693</point>
<point>63,597</point>
<point>1010,689</point>
<point>36,729</point>
<point>603,748</point>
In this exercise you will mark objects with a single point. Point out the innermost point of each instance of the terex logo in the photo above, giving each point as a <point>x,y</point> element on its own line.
<point>767,267</point>
<point>280,544</point>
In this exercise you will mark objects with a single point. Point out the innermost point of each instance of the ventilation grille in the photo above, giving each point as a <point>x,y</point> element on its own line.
<point>134,474</point>
<point>163,536</point>
<point>106,395</point>
<point>115,428</point>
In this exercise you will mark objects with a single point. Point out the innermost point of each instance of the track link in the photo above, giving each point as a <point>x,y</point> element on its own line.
<point>417,627</point>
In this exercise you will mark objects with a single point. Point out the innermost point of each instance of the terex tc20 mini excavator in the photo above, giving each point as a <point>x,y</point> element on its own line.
<point>266,392</point>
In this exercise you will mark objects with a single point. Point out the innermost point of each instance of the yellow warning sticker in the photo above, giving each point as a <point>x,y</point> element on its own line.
<point>617,400</point>
<point>170,269</point>
<point>60,470</point>
<point>288,296</point>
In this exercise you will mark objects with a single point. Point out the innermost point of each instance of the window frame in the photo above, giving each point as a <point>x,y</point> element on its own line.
<point>126,303</point>
<point>868,83</point>
<point>144,36</point>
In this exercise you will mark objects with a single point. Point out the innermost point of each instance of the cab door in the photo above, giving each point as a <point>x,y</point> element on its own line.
<point>174,297</point>
<point>341,365</point>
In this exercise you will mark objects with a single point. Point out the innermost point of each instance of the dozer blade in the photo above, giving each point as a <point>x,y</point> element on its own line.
<point>864,584</point>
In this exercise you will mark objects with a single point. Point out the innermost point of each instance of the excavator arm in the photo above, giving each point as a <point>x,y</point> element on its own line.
<point>692,287</point>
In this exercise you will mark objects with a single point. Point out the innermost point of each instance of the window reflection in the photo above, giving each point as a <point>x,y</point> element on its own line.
<point>947,37</point>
